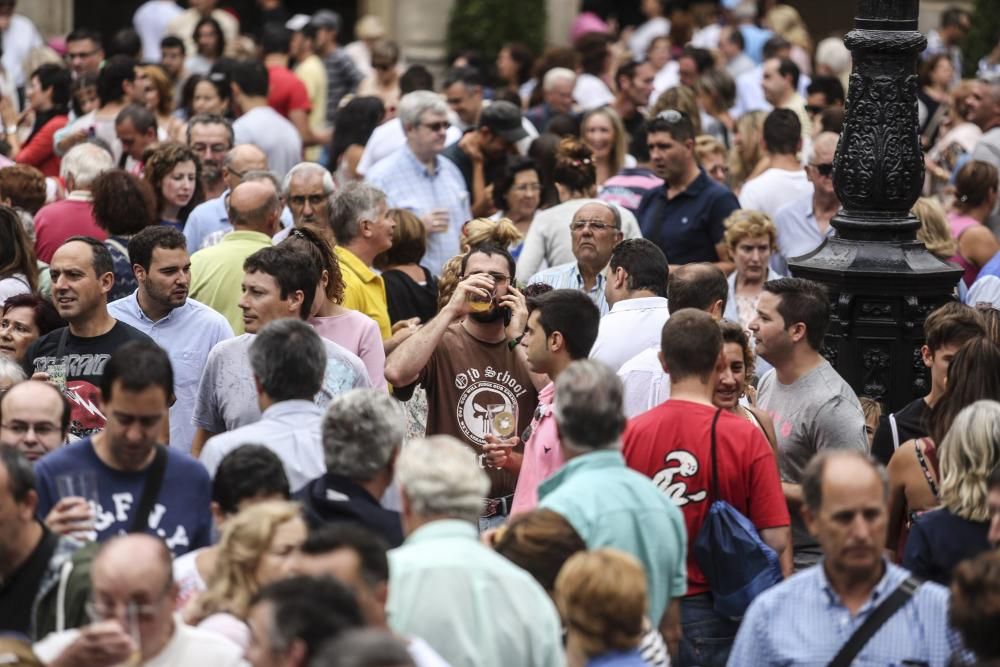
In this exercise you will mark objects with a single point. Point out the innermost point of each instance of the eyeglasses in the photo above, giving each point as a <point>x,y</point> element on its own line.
<point>498,278</point>
<point>100,611</point>
<point>299,201</point>
<point>527,187</point>
<point>594,225</point>
<point>672,115</point>
<point>825,169</point>
<point>41,429</point>
<point>213,148</point>
<point>814,109</point>
<point>440,126</point>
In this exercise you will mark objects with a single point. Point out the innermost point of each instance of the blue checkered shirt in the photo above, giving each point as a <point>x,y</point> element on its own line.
<point>409,184</point>
<point>567,276</point>
<point>802,622</point>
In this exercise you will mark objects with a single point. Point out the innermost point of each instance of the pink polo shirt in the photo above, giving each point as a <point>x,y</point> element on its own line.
<point>542,455</point>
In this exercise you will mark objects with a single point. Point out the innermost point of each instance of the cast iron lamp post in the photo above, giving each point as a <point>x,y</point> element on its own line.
<point>882,281</point>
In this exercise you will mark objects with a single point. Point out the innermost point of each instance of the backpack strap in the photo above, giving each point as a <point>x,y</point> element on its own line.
<point>882,613</point>
<point>154,481</point>
<point>715,465</point>
<point>895,430</point>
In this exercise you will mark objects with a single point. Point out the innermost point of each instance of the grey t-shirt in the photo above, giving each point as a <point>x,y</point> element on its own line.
<point>273,134</point>
<point>227,397</point>
<point>816,412</point>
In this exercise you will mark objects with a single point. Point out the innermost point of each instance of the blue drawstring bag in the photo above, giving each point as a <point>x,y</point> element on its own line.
<point>738,565</point>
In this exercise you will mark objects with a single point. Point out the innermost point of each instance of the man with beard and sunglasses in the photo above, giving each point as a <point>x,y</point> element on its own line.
<point>161,309</point>
<point>479,387</point>
<point>804,223</point>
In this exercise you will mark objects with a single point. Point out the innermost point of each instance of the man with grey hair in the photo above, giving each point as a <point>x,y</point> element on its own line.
<point>595,230</point>
<point>845,494</point>
<point>557,95</point>
<point>608,504</point>
<point>363,432</point>
<point>288,361</point>
<point>308,189</point>
<point>216,271</point>
<point>465,600</point>
<point>74,215</point>
<point>417,178</point>
<point>359,221</point>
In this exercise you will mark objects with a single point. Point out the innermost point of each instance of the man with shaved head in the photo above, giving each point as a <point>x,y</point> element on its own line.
<point>804,223</point>
<point>209,221</point>
<point>217,271</point>
<point>132,588</point>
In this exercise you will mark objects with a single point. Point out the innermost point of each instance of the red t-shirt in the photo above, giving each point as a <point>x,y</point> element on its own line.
<point>672,445</point>
<point>60,220</point>
<point>286,92</point>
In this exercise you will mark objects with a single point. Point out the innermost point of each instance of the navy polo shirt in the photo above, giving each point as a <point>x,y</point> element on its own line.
<point>688,227</point>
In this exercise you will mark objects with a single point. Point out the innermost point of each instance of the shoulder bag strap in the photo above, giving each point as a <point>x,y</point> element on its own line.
<point>888,607</point>
<point>154,481</point>
<point>61,348</point>
<point>715,465</point>
<point>895,431</point>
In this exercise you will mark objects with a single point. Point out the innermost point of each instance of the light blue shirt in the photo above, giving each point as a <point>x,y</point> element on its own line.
<point>610,505</point>
<point>568,276</point>
<point>188,333</point>
<point>209,222</point>
<point>408,184</point>
<point>473,606</point>
<point>802,622</point>
<point>797,232</point>
<point>290,429</point>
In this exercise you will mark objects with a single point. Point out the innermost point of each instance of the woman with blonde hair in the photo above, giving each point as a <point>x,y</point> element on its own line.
<point>942,538</point>
<point>934,232</point>
<point>682,99</point>
<point>746,157</point>
<point>252,552</point>
<point>602,130</point>
<point>475,232</point>
<point>711,155</point>
<point>751,238</point>
<point>159,99</point>
<point>601,596</point>
<point>786,22</point>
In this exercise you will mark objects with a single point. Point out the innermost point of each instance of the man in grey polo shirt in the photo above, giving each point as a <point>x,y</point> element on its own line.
<point>804,223</point>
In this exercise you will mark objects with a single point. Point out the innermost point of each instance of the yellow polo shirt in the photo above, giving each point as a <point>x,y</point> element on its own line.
<point>364,290</point>
<point>217,273</point>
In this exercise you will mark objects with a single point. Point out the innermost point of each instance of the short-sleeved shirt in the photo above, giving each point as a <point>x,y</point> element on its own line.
<point>797,232</point>
<point>85,360</point>
<point>631,326</point>
<point>364,290</point>
<point>357,333</point>
<point>689,226</point>
<point>468,383</point>
<point>542,453</point>
<point>272,133</point>
<point>342,77</point>
<point>671,444</point>
<point>56,222</point>
<point>286,92</point>
<point>227,396</point>
<point>217,273</point>
<point>939,540</point>
<point>181,515</point>
<point>911,423</point>
<point>773,189</point>
<point>610,505</point>
<point>312,73</point>
<point>816,412</point>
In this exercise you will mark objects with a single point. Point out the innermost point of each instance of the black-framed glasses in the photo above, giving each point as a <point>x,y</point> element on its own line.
<point>440,126</point>
<point>594,225</point>
<point>300,200</point>
<point>825,169</point>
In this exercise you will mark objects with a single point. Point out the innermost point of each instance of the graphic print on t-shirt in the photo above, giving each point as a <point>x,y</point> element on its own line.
<point>679,464</point>
<point>86,417</point>
<point>488,398</point>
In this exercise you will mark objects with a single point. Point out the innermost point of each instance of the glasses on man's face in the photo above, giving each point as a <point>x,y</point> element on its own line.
<point>596,226</point>
<point>825,170</point>
<point>103,611</point>
<point>217,149</point>
<point>298,201</point>
<point>21,429</point>
<point>440,126</point>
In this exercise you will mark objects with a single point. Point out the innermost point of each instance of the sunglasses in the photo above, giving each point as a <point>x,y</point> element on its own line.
<point>825,169</point>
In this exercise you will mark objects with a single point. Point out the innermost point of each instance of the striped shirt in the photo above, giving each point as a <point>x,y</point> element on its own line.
<point>568,276</point>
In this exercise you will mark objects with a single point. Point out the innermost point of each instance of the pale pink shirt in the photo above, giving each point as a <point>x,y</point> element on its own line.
<point>542,455</point>
<point>360,334</point>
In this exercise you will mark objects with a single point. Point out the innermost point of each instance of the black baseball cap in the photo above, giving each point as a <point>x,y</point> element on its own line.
<point>503,119</point>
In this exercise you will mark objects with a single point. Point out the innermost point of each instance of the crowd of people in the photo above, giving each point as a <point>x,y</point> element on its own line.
<point>307,359</point>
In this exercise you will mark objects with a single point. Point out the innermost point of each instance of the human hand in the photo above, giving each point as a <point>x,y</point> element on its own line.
<point>478,287</point>
<point>469,143</point>
<point>404,329</point>
<point>514,301</point>
<point>497,450</point>
<point>436,220</point>
<point>70,516</point>
<point>100,644</point>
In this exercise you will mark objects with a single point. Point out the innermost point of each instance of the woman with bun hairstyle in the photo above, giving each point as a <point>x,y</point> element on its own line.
<point>975,197</point>
<point>549,242</point>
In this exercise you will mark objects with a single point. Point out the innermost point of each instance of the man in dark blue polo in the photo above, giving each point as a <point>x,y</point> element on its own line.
<point>683,216</point>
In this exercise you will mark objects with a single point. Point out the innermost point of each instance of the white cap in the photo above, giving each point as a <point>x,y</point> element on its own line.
<point>298,22</point>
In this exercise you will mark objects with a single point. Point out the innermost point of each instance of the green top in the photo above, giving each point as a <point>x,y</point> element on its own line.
<point>217,273</point>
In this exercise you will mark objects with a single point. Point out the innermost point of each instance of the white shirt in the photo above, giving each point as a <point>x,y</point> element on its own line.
<point>632,326</point>
<point>150,21</point>
<point>591,93</point>
<point>773,189</point>
<point>390,137</point>
<point>188,646</point>
<point>19,39</point>
<point>290,429</point>
<point>188,333</point>
<point>644,35</point>
<point>645,384</point>
<point>273,134</point>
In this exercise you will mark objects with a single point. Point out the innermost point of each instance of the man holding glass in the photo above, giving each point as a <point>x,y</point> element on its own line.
<point>479,387</point>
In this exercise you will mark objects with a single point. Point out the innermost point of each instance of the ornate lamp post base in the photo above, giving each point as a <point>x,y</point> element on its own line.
<point>882,281</point>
